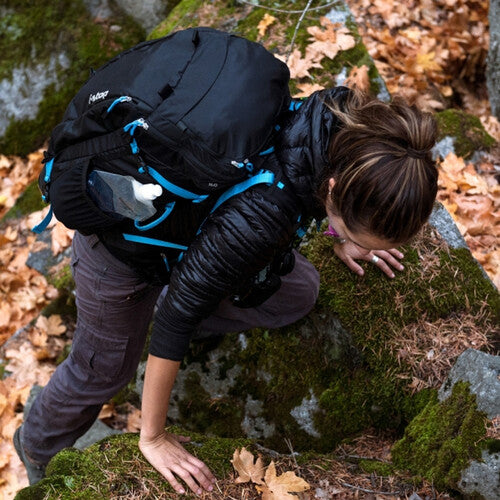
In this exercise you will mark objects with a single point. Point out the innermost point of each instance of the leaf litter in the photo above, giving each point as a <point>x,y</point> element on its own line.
<point>424,50</point>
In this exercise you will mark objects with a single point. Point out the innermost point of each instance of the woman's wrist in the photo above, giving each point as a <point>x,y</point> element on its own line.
<point>151,434</point>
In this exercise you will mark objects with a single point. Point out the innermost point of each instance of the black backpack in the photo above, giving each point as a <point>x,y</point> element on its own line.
<point>194,112</point>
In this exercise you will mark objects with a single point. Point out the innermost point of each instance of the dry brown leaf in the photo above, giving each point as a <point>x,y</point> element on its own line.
<point>243,462</point>
<point>358,77</point>
<point>134,420</point>
<point>264,23</point>
<point>299,66</point>
<point>279,487</point>
<point>307,89</point>
<point>107,411</point>
<point>61,238</point>
<point>55,326</point>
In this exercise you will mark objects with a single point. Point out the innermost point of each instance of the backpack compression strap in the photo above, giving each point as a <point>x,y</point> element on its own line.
<point>263,177</point>
<point>46,221</point>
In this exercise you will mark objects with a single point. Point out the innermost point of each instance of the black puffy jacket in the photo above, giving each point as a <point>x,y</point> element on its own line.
<point>244,234</point>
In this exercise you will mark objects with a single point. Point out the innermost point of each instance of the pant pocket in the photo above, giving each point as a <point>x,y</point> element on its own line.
<point>100,355</point>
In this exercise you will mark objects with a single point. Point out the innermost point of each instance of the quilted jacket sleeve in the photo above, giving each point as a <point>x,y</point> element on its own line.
<point>238,240</point>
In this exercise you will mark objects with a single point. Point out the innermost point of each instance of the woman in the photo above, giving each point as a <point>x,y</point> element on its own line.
<point>364,164</point>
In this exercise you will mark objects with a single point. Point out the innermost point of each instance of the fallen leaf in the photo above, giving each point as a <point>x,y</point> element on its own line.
<point>61,238</point>
<point>279,487</point>
<point>243,462</point>
<point>134,420</point>
<point>107,411</point>
<point>358,78</point>
<point>264,23</point>
<point>307,89</point>
<point>55,326</point>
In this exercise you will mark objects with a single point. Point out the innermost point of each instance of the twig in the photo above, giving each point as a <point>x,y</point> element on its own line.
<point>329,4</point>
<point>359,457</point>
<point>306,8</point>
<point>364,490</point>
<point>290,447</point>
<point>270,452</point>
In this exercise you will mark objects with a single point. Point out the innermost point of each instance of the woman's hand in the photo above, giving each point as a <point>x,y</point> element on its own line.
<point>167,455</point>
<point>384,259</point>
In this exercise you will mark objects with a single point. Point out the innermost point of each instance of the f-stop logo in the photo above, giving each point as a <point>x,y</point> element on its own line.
<point>98,96</point>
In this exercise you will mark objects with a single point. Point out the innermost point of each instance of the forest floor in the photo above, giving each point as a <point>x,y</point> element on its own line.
<point>432,52</point>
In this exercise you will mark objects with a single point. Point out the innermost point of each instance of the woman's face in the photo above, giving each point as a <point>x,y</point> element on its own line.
<point>365,241</point>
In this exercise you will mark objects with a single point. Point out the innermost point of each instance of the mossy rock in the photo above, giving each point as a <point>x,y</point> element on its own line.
<point>467,131</point>
<point>243,20</point>
<point>441,441</point>
<point>336,372</point>
<point>115,468</point>
<point>57,44</point>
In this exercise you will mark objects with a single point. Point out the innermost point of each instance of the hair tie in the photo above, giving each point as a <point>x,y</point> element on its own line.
<point>418,154</point>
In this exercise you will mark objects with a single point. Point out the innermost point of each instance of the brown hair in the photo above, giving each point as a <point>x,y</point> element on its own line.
<point>380,159</point>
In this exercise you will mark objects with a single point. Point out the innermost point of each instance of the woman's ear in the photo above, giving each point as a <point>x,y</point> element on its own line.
<point>331,183</point>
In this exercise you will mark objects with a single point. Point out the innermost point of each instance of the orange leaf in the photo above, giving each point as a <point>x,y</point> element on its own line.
<point>61,238</point>
<point>307,89</point>
<point>358,77</point>
<point>264,23</point>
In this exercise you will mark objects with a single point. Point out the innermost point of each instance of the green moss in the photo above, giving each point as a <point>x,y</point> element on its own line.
<point>30,201</point>
<point>440,442</point>
<point>63,280</point>
<point>356,379</point>
<point>376,467</point>
<point>469,133</point>
<point>492,445</point>
<point>183,13</point>
<point>86,44</point>
<point>217,416</point>
<point>115,468</point>
<point>65,302</point>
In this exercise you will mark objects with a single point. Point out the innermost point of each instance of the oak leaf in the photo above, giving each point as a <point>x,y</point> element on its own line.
<point>248,470</point>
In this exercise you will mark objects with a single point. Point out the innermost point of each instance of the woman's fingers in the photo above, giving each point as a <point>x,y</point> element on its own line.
<point>167,455</point>
<point>173,481</point>
<point>396,253</point>
<point>353,265</point>
<point>186,475</point>
<point>384,260</point>
<point>181,439</point>
<point>390,258</point>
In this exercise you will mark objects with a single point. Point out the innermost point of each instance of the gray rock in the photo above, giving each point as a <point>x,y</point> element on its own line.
<point>493,71</point>
<point>482,478</point>
<point>444,147</point>
<point>441,220</point>
<point>98,431</point>
<point>147,13</point>
<point>43,260</point>
<point>304,414</point>
<point>99,9</point>
<point>482,371</point>
<point>22,93</point>
<point>254,425</point>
